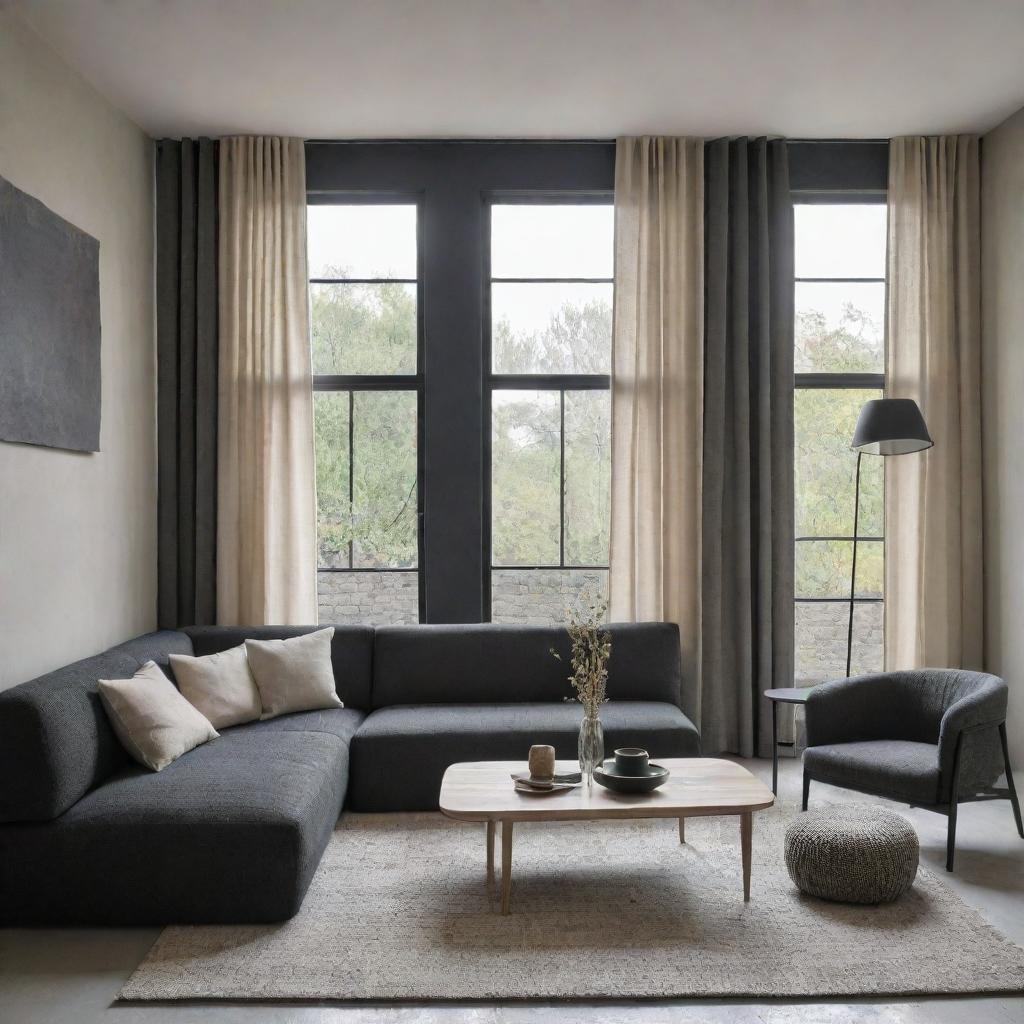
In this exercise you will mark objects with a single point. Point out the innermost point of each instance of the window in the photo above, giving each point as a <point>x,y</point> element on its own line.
<point>364,315</point>
<point>550,422</point>
<point>840,364</point>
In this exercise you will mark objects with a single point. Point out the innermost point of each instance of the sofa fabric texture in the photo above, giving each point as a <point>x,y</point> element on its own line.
<point>56,742</point>
<point>514,664</point>
<point>400,754</point>
<point>233,830</point>
<point>900,713</point>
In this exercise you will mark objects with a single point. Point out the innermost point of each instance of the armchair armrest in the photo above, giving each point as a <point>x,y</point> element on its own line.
<point>848,710</point>
<point>975,716</point>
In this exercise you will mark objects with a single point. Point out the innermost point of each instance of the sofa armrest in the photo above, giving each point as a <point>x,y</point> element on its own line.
<point>848,710</point>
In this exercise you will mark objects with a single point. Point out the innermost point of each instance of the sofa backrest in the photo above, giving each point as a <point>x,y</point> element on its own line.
<point>56,743</point>
<point>513,664</point>
<point>351,652</point>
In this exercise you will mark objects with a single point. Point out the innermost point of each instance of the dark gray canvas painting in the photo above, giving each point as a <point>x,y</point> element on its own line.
<point>49,327</point>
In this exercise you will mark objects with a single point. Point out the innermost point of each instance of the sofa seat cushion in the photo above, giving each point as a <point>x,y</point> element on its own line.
<point>230,832</point>
<point>900,769</point>
<point>341,723</point>
<point>400,753</point>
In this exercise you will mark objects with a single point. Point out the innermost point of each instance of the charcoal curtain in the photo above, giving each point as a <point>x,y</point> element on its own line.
<point>747,475</point>
<point>187,354</point>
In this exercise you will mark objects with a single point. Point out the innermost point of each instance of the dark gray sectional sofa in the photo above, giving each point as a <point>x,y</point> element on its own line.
<point>233,831</point>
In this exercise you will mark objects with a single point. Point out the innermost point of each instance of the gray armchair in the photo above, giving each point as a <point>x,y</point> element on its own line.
<point>932,738</point>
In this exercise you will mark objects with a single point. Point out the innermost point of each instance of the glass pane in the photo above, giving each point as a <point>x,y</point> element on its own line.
<point>525,477</point>
<point>551,328</point>
<point>552,240</point>
<point>540,597</point>
<point>362,241</point>
<point>334,514</point>
<point>840,328</point>
<point>821,640</point>
<point>370,598</point>
<point>384,479</point>
<point>825,465</point>
<point>363,328</point>
<point>840,240</point>
<point>823,568</point>
<point>588,469</point>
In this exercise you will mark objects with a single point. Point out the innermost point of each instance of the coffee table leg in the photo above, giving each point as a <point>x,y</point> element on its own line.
<point>746,826</point>
<point>506,866</point>
<point>775,747</point>
<point>682,830</point>
<point>490,849</point>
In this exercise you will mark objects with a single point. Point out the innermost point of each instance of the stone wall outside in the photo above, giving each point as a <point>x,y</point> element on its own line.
<point>540,597</point>
<point>821,640</point>
<point>520,597</point>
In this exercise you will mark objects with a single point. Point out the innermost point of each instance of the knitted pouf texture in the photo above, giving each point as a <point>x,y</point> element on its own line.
<point>868,856</point>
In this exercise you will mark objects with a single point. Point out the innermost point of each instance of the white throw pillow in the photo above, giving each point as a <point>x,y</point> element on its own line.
<point>154,723</point>
<point>295,674</point>
<point>219,685</point>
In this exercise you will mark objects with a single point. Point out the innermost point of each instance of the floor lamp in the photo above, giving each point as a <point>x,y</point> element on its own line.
<point>886,426</point>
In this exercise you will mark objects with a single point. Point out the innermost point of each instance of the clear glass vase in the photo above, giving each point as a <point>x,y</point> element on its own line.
<point>591,747</point>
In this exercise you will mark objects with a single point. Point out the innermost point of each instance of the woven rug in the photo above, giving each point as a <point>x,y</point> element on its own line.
<point>399,910</point>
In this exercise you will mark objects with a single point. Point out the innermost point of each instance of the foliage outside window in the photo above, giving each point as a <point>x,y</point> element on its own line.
<point>839,362</point>
<point>551,320</point>
<point>364,336</point>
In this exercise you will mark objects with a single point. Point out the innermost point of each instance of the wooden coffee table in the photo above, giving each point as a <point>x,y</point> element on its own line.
<point>697,787</point>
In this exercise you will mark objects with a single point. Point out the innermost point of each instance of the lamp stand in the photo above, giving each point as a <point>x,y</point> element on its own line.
<point>853,571</point>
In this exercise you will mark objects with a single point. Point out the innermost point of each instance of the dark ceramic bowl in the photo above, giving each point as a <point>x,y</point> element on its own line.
<point>610,777</point>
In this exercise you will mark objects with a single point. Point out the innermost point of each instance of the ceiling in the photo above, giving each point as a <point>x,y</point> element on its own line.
<point>545,68</point>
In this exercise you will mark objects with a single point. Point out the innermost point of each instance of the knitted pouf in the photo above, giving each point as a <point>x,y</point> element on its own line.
<point>867,856</point>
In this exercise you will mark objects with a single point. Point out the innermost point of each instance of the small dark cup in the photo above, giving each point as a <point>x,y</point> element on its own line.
<point>631,761</point>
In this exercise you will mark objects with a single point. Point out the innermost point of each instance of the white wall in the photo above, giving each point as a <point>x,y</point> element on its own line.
<point>78,531</point>
<point>1002,209</point>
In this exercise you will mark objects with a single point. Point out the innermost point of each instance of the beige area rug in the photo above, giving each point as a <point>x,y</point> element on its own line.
<point>399,910</point>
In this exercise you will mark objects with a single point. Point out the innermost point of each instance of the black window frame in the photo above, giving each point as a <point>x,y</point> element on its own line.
<point>455,180</point>
<point>558,382</point>
<point>839,173</point>
<point>363,382</point>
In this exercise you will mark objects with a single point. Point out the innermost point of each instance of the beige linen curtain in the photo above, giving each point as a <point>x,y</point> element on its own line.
<point>657,388</point>
<point>933,567</point>
<point>266,495</point>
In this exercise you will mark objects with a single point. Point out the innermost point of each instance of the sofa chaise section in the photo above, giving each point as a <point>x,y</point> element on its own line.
<point>230,832</point>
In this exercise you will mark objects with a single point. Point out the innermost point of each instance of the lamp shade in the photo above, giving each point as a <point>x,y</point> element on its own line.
<point>891,426</point>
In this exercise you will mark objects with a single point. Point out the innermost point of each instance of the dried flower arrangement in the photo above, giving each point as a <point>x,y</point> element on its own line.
<point>591,648</point>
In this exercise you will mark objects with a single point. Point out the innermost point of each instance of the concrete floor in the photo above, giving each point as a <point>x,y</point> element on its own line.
<point>72,977</point>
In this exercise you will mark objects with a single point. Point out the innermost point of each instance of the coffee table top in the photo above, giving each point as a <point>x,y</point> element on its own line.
<point>482,790</point>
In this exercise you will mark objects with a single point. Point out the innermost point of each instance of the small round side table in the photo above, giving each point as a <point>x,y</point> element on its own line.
<point>788,695</point>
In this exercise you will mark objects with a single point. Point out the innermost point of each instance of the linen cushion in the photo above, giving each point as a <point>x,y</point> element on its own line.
<point>295,674</point>
<point>155,724</point>
<point>351,652</point>
<point>220,686</point>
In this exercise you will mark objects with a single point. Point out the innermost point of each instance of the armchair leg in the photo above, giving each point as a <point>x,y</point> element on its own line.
<point>807,789</point>
<point>951,833</point>
<point>1009,780</point>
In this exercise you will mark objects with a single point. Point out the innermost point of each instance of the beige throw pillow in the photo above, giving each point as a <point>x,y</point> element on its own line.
<point>154,723</point>
<point>219,685</point>
<point>295,674</point>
